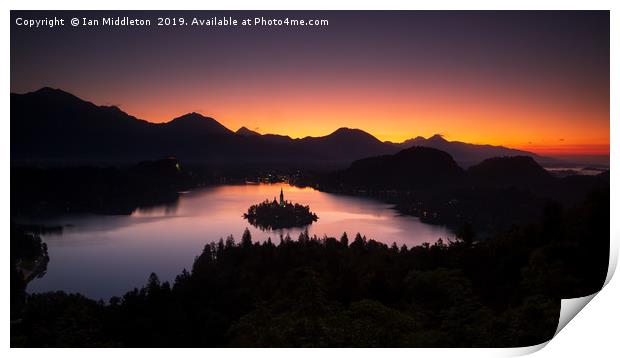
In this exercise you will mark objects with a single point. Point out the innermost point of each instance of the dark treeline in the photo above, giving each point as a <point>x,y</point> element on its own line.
<point>335,292</point>
<point>112,190</point>
<point>29,260</point>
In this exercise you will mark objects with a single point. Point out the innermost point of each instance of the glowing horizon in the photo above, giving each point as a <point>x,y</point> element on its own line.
<point>475,77</point>
<point>544,146</point>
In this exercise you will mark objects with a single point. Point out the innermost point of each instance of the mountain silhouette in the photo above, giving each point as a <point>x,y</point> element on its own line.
<point>193,123</point>
<point>509,171</point>
<point>344,143</point>
<point>246,132</point>
<point>410,168</point>
<point>54,126</point>
<point>467,154</point>
<point>51,124</point>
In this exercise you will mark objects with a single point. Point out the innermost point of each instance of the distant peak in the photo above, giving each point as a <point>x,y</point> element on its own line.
<point>192,115</point>
<point>48,91</point>
<point>437,138</point>
<point>414,140</point>
<point>346,130</point>
<point>247,132</point>
<point>195,121</point>
<point>55,95</point>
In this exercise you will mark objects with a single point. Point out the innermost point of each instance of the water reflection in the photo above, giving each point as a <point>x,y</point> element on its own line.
<point>102,256</point>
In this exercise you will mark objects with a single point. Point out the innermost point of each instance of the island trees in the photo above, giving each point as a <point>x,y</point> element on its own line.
<point>271,215</point>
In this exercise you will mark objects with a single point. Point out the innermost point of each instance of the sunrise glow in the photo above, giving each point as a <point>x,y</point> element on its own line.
<point>543,88</point>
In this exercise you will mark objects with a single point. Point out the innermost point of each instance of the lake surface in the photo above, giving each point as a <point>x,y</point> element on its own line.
<point>103,256</point>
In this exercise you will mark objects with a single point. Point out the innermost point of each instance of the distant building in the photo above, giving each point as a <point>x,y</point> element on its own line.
<point>281,197</point>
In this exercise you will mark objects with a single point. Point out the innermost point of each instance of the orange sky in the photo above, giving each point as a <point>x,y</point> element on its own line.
<point>484,113</point>
<point>532,80</point>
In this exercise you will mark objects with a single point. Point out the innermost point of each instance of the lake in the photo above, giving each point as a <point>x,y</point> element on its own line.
<point>102,256</point>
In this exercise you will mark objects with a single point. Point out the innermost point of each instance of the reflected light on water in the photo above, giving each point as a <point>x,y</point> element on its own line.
<point>102,256</point>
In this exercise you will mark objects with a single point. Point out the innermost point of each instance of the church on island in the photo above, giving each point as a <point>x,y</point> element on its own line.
<point>282,202</point>
<point>279,214</point>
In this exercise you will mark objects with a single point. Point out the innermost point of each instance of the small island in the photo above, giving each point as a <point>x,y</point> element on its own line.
<point>272,215</point>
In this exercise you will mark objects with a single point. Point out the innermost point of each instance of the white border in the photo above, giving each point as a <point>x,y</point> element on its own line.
<point>595,328</point>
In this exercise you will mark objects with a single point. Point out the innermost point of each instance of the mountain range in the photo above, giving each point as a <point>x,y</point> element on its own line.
<point>467,154</point>
<point>51,125</point>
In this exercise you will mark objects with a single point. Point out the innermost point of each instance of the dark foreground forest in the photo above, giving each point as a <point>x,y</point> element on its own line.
<point>336,292</point>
